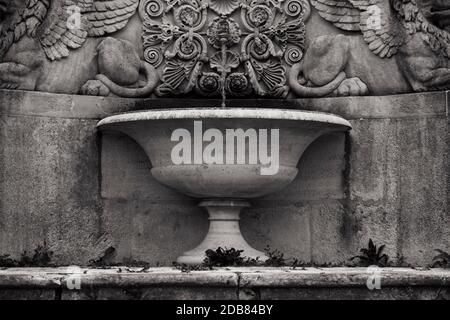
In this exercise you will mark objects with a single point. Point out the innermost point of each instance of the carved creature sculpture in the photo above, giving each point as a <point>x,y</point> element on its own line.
<point>119,69</point>
<point>49,30</point>
<point>221,47</point>
<point>416,31</point>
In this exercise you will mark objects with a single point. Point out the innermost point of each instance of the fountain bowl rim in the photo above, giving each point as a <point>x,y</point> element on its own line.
<point>225,113</point>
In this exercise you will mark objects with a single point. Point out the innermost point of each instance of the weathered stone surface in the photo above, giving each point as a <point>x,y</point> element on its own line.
<point>153,293</point>
<point>152,232</point>
<point>49,197</point>
<point>418,293</point>
<point>338,277</point>
<point>308,211</point>
<point>49,168</point>
<point>27,294</point>
<point>224,284</point>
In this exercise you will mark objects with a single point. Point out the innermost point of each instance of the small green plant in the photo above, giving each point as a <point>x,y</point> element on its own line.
<point>441,260</point>
<point>372,256</point>
<point>41,258</point>
<point>223,257</point>
<point>7,262</point>
<point>275,258</point>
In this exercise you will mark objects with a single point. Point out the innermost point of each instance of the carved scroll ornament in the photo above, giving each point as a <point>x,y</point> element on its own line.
<point>224,48</point>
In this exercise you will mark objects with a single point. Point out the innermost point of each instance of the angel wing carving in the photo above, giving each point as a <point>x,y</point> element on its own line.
<point>108,16</point>
<point>62,25</point>
<point>374,18</point>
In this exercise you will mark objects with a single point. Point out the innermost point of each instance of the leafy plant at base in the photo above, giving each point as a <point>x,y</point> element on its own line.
<point>275,258</point>
<point>7,262</point>
<point>41,258</point>
<point>372,256</point>
<point>223,257</point>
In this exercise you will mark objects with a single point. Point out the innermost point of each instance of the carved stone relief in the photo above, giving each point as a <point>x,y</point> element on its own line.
<point>416,32</point>
<point>56,28</point>
<point>226,48</point>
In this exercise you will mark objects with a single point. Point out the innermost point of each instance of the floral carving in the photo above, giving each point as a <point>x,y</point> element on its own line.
<point>237,84</point>
<point>210,48</point>
<point>210,84</point>
<point>295,8</point>
<point>151,8</point>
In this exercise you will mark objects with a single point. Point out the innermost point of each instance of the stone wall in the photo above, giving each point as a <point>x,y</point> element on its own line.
<point>64,186</point>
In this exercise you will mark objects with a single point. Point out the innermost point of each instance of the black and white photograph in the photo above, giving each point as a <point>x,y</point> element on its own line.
<point>224,155</point>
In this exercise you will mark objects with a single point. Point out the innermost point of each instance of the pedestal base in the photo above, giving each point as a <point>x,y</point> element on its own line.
<point>223,232</point>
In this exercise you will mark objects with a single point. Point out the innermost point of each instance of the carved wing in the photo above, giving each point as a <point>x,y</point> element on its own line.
<point>341,13</point>
<point>108,16</point>
<point>70,22</point>
<point>20,19</point>
<point>64,28</point>
<point>374,18</point>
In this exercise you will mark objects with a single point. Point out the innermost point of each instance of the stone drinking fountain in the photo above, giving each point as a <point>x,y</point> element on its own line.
<point>224,172</point>
<point>224,156</point>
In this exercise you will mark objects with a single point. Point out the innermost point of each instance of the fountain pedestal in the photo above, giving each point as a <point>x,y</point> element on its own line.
<point>223,231</point>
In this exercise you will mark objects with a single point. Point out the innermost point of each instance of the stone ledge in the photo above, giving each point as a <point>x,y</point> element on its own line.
<point>243,277</point>
<point>114,277</point>
<point>343,277</point>
<point>222,284</point>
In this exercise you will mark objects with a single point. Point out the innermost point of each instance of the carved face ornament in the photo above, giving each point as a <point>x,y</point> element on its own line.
<point>223,31</point>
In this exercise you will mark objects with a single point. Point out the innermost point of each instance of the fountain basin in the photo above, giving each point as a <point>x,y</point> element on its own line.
<point>224,157</point>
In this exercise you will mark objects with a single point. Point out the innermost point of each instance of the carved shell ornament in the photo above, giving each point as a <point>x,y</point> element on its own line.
<point>224,6</point>
<point>223,48</point>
